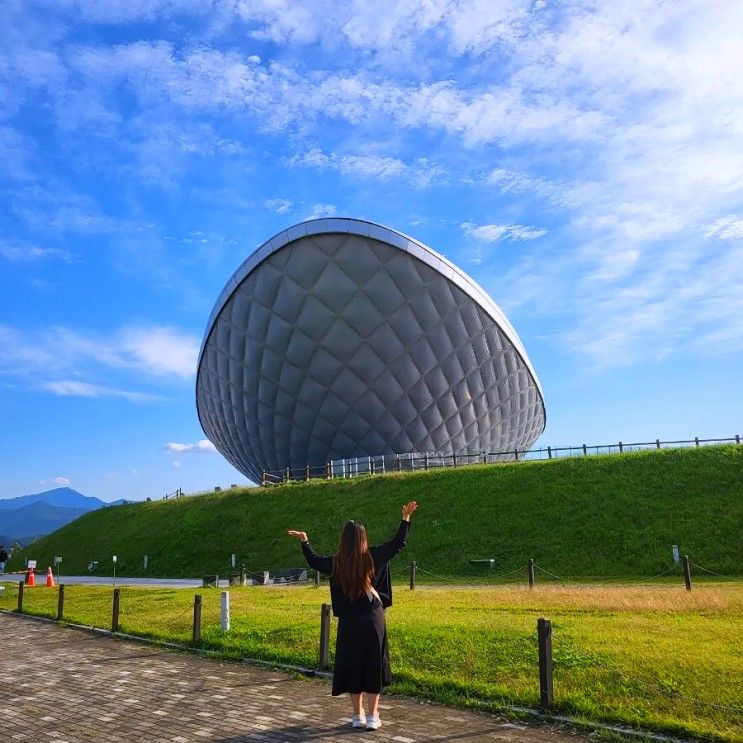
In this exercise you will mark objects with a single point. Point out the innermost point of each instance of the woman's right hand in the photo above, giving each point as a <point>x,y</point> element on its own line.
<point>300,535</point>
<point>407,509</point>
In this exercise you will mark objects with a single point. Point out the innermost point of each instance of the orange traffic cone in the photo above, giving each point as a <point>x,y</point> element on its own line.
<point>49,578</point>
<point>31,578</point>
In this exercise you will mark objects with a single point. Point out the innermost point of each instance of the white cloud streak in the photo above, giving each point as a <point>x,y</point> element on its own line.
<point>200,447</point>
<point>74,388</point>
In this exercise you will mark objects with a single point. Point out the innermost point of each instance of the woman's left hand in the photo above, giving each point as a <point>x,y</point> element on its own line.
<point>407,509</point>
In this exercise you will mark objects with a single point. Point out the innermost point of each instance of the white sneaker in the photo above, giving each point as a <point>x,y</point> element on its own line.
<point>373,722</point>
<point>358,721</point>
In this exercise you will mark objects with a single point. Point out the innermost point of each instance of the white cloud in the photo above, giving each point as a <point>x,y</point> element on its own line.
<point>60,481</point>
<point>726,228</point>
<point>176,463</point>
<point>74,388</point>
<point>200,446</point>
<point>421,173</point>
<point>493,232</point>
<point>321,210</point>
<point>280,206</point>
<point>33,253</point>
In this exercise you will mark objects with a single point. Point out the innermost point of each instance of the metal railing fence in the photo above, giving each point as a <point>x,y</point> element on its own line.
<point>385,463</point>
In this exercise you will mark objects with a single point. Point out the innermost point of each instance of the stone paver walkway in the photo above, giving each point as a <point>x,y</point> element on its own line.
<point>67,686</point>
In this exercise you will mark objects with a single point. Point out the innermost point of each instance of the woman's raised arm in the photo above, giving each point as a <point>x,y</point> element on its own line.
<point>315,561</point>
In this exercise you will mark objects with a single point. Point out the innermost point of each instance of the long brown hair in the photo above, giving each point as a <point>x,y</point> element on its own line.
<point>353,566</point>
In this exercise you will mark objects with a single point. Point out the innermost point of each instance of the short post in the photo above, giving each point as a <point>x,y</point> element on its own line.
<point>145,563</point>
<point>329,470</point>
<point>687,573</point>
<point>196,632</point>
<point>585,450</point>
<point>243,575</point>
<point>399,464</point>
<point>325,637</point>
<point>306,473</point>
<point>549,452</point>
<point>696,440</point>
<point>60,602</point>
<point>372,466</point>
<point>621,448</point>
<point>286,475</point>
<point>413,570</point>
<point>317,579</point>
<point>454,459</point>
<point>737,439</point>
<point>263,477</point>
<point>425,461</point>
<point>657,443</point>
<point>531,573</point>
<point>544,636</point>
<point>484,458</point>
<point>115,612</point>
<point>21,584</point>
<point>224,611</point>
<point>516,454</point>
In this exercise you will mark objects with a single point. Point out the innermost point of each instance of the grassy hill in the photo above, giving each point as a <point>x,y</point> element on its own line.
<point>614,515</point>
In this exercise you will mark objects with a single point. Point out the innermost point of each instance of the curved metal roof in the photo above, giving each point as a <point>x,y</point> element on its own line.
<point>384,234</point>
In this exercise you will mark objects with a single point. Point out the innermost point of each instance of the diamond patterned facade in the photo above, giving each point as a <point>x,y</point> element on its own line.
<point>340,338</point>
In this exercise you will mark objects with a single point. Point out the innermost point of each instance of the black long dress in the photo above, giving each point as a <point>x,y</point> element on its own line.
<point>362,660</point>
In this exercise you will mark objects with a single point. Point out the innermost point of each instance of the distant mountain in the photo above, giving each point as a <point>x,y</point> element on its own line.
<point>63,497</point>
<point>30,516</point>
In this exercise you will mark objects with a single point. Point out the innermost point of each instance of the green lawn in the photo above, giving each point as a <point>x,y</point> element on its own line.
<point>612,515</point>
<point>653,656</point>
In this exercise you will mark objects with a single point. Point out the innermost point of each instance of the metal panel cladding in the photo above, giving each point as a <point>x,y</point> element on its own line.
<point>341,338</point>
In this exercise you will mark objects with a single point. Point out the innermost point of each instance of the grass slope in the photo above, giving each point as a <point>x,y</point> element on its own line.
<point>614,515</point>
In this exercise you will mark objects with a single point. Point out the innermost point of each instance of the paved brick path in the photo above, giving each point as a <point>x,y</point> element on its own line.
<point>64,685</point>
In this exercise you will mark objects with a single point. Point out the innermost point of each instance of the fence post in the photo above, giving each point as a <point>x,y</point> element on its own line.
<point>620,447</point>
<point>425,461</point>
<point>657,443</point>
<point>286,476</point>
<point>549,452</point>
<point>516,452</point>
<point>224,611</point>
<point>60,602</point>
<point>21,584</point>
<point>196,631</point>
<point>687,573</point>
<point>317,579</point>
<point>696,440</point>
<point>454,459</point>
<point>531,573</point>
<point>413,569</point>
<point>372,466</point>
<point>544,637</point>
<point>243,575</point>
<point>263,477</point>
<point>585,451</point>
<point>399,464</point>
<point>115,611</point>
<point>737,438</point>
<point>329,470</point>
<point>325,637</point>
<point>306,473</point>
<point>484,458</point>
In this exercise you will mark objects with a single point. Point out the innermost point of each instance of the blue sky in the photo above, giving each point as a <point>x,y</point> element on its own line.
<point>581,160</point>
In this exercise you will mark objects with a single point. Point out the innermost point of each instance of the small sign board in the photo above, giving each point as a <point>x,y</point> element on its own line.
<point>57,559</point>
<point>114,558</point>
<point>676,554</point>
<point>31,564</point>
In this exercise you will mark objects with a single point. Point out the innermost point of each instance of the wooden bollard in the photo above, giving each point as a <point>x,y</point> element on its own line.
<point>115,611</point>
<point>60,602</point>
<point>413,570</point>
<point>544,638</point>
<point>530,572</point>
<point>687,573</point>
<point>317,579</point>
<point>196,631</point>
<point>325,637</point>
<point>21,585</point>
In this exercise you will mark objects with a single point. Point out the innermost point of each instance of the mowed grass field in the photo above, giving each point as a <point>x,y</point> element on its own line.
<point>651,656</point>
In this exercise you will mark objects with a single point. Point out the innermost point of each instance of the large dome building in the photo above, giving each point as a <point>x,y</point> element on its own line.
<point>340,339</point>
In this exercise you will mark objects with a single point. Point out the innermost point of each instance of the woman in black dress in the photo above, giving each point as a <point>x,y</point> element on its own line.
<point>360,591</point>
